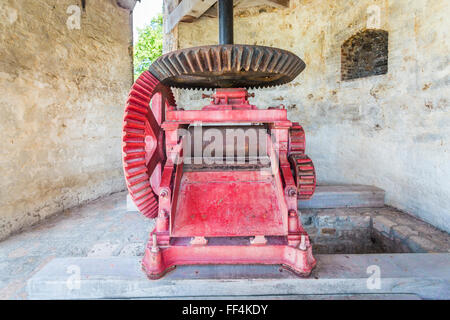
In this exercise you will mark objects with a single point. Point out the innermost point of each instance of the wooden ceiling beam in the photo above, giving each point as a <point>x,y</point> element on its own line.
<point>190,10</point>
<point>281,4</point>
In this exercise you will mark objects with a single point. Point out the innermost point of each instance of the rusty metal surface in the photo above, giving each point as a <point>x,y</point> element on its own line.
<point>227,66</point>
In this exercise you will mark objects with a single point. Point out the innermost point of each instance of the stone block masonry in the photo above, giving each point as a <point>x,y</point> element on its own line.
<point>63,85</point>
<point>371,230</point>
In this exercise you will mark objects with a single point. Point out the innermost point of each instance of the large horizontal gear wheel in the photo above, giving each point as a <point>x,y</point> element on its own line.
<point>227,66</point>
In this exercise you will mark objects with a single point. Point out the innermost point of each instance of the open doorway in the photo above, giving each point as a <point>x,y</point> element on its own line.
<point>147,34</point>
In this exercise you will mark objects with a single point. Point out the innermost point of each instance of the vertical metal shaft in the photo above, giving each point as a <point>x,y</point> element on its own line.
<point>226,22</point>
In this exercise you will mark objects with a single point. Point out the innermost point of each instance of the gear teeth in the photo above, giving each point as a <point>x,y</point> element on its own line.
<point>305,176</point>
<point>297,143</point>
<point>222,66</point>
<point>135,116</point>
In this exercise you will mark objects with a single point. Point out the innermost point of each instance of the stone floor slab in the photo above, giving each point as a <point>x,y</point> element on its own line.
<point>424,275</point>
<point>78,231</point>
<point>345,196</point>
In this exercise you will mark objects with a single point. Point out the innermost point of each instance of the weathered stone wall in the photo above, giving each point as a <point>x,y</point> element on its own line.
<point>391,131</point>
<point>61,106</point>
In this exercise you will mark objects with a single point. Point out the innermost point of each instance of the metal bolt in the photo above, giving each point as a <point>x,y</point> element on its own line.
<point>292,192</point>
<point>164,194</point>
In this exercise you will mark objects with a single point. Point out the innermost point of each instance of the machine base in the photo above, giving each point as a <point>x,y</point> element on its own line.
<point>157,262</point>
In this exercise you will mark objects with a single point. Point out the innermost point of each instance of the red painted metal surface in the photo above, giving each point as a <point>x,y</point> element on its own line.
<point>160,260</point>
<point>224,115</point>
<point>230,99</point>
<point>214,213</point>
<point>305,175</point>
<point>143,140</point>
<point>219,204</point>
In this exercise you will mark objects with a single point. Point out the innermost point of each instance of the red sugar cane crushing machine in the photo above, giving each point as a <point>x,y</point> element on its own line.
<point>222,182</point>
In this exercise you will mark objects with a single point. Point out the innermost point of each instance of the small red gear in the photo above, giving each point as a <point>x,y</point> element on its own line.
<point>143,140</point>
<point>297,140</point>
<point>302,165</point>
<point>305,176</point>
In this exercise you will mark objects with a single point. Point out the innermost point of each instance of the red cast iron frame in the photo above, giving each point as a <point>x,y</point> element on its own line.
<point>220,216</point>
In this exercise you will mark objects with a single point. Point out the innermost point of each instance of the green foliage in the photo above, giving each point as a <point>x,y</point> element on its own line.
<point>148,46</point>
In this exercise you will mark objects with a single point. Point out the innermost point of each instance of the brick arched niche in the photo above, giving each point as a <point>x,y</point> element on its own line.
<point>365,54</point>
